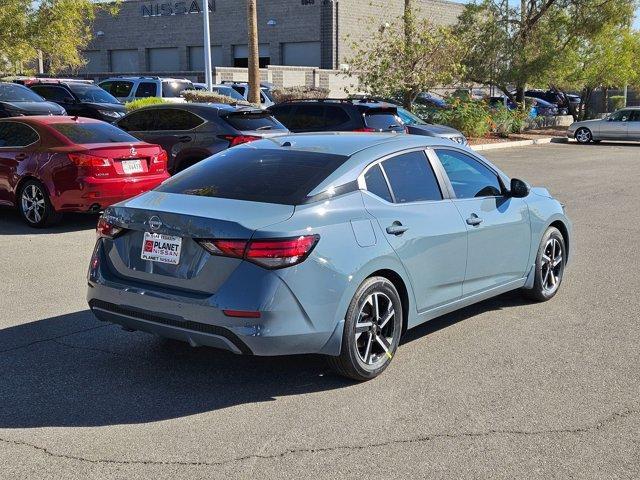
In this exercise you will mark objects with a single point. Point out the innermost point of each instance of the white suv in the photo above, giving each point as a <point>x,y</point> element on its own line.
<point>266,100</point>
<point>127,89</point>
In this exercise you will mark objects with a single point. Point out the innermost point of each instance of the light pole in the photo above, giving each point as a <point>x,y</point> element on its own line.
<point>207,46</point>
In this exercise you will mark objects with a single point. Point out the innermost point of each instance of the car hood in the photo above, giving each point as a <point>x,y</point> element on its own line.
<point>433,129</point>
<point>113,107</point>
<point>34,108</point>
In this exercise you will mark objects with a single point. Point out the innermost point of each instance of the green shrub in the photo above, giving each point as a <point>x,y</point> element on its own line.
<point>616,101</point>
<point>203,96</point>
<point>294,93</point>
<point>143,102</point>
<point>505,121</point>
<point>470,117</point>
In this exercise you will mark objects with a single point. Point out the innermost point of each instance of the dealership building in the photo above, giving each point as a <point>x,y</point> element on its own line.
<point>148,36</point>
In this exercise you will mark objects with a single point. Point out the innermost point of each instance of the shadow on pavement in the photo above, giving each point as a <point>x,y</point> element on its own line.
<point>100,375</point>
<point>11,223</point>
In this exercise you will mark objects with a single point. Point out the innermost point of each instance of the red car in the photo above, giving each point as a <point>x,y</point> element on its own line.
<point>50,165</point>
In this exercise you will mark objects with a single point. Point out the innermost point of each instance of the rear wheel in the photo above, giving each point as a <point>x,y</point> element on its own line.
<point>372,330</point>
<point>583,135</point>
<point>549,268</point>
<point>35,207</point>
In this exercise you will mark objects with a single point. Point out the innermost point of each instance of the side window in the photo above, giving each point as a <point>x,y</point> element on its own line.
<point>146,89</point>
<point>140,121</point>
<point>377,184</point>
<point>121,89</point>
<point>411,178</point>
<point>335,116</point>
<point>54,94</point>
<point>106,86</point>
<point>282,113</point>
<point>14,134</point>
<point>620,116</point>
<point>469,178</point>
<point>635,116</point>
<point>308,117</point>
<point>176,119</point>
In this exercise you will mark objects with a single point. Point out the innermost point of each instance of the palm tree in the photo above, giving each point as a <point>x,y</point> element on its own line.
<point>254,64</point>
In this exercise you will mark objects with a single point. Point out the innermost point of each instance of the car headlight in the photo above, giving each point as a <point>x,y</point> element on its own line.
<point>110,113</point>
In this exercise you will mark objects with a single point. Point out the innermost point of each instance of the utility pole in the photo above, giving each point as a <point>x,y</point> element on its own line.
<point>208,75</point>
<point>254,54</point>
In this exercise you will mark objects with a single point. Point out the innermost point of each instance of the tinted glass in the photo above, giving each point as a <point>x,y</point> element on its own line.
<point>86,133</point>
<point>335,116</point>
<point>376,183</point>
<point>173,88</point>
<point>383,121</point>
<point>91,93</point>
<point>635,116</point>
<point>175,119</point>
<point>307,118</point>
<point>411,178</point>
<point>282,113</point>
<point>270,176</point>
<point>117,88</point>
<point>253,121</point>
<point>469,178</point>
<point>229,92</point>
<point>55,94</point>
<point>140,121</point>
<point>620,116</point>
<point>14,134</point>
<point>10,92</point>
<point>146,89</point>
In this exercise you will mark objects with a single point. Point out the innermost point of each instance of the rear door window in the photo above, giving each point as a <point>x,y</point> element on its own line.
<point>140,121</point>
<point>253,121</point>
<point>146,89</point>
<point>376,183</point>
<point>173,88</point>
<point>15,134</point>
<point>411,178</point>
<point>383,121</point>
<point>87,133</point>
<point>176,119</point>
<point>308,118</point>
<point>283,113</point>
<point>118,88</point>
<point>259,175</point>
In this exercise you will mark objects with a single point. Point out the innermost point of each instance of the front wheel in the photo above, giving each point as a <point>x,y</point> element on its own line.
<point>372,330</point>
<point>549,268</point>
<point>35,207</point>
<point>583,135</point>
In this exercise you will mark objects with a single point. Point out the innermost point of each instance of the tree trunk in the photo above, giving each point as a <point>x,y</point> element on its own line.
<point>520,95</point>
<point>605,100</point>
<point>254,55</point>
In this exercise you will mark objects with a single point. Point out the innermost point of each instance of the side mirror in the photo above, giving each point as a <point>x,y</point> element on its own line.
<point>519,188</point>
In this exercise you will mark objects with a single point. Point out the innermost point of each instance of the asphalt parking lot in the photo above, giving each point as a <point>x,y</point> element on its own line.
<point>502,389</point>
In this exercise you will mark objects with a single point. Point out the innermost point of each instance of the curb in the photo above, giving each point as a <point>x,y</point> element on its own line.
<point>519,143</point>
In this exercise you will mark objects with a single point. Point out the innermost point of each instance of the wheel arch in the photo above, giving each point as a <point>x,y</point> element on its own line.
<point>399,283</point>
<point>564,230</point>
<point>24,180</point>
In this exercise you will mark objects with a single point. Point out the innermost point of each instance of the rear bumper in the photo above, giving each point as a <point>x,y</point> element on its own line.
<point>89,192</point>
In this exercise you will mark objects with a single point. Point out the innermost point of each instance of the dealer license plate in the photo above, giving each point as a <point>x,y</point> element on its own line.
<point>132,166</point>
<point>161,248</point>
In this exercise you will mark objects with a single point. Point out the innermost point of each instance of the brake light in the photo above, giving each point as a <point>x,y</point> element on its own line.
<point>160,157</point>
<point>86,160</point>
<point>239,139</point>
<point>107,230</point>
<point>365,129</point>
<point>268,253</point>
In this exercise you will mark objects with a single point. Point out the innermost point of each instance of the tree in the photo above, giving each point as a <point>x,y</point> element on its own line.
<point>254,54</point>
<point>60,29</point>
<point>406,57</point>
<point>518,46</point>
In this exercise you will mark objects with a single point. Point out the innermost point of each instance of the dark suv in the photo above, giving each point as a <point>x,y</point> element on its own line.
<point>81,99</point>
<point>336,115</point>
<point>190,132</point>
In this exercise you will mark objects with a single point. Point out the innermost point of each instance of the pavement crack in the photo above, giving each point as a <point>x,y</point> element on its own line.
<point>44,340</point>
<point>100,350</point>
<point>285,453</point>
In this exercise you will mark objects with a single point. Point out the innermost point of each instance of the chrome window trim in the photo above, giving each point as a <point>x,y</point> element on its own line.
<point>13,147</point>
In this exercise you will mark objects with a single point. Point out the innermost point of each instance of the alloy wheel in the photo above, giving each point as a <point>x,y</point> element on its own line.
<point>583,135</point>
<point>33,203</point>
<point>375,329</point>
<point>552,265</point>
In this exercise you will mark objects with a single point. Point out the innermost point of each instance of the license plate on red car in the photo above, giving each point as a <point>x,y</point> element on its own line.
<point>132,166</point>
<point>161,248</point>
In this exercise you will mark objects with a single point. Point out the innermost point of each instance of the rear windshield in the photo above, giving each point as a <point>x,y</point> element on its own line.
<point>173,88</point>
<point>17,93</point>
<point>83,133</point>
<point>384,121</point>
<point>253,121</point>
<point>258,175</point>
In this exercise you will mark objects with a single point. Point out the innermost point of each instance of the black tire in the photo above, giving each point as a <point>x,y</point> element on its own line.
<point>544,271</point>
<point>380,343</point>
<point>34,205</point>
<point>583,135</point>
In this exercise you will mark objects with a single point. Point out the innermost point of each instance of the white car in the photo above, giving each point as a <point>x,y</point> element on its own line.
<point>127,89</point>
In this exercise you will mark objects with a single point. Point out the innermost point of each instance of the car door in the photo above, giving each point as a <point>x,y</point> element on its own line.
<point>633,126</point>
<point>422,225</point>
<point>615,126</point>
<point>15,141</point>
<point>498,226</point>
<point>147,89</point>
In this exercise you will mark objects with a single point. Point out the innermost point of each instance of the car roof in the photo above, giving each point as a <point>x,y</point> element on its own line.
<point>365,103</point>
<point>51,119</point>
<point>202,109</point>
<point>133,78</point>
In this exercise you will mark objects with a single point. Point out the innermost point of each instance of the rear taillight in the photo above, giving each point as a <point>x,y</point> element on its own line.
<point>107,230</point>
<point>239,139</point>
<point>268,253</point>
<point>159,158</point>
<point>86,160</point>
<point>365,129</point>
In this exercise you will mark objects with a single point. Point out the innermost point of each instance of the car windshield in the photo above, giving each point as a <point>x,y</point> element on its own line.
<point>258,175</point>
<point>17,93</point>
<point>173,88</point>
<point>92,93</point>
<point>87,133</point>
<point>229,92</point>
<point>409,118</point>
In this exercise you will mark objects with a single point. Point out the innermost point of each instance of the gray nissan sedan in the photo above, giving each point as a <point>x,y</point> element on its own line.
<point>324,243</point>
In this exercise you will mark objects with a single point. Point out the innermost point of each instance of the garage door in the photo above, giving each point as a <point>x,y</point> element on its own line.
<point>93,61</point>
<point>124,61</point>
<point>301,54</point>
<point>163,59</point>
<point>196,57</point>
<point>241,55</point>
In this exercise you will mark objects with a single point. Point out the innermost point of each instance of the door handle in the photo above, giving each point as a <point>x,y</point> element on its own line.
<point>184,139</point>
<point>21,156</point>
<point>396,228</point>
<point>474,220</point>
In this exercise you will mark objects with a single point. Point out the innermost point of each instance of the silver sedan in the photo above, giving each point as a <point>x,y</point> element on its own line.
<point>621,125</point>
